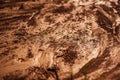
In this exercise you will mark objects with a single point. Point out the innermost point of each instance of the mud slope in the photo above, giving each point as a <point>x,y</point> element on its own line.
<point>59,40</point>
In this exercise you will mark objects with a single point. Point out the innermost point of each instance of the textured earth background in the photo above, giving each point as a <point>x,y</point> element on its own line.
<point>59,40</point>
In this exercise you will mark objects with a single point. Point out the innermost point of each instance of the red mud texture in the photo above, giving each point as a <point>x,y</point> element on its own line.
<point>59,40</point>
